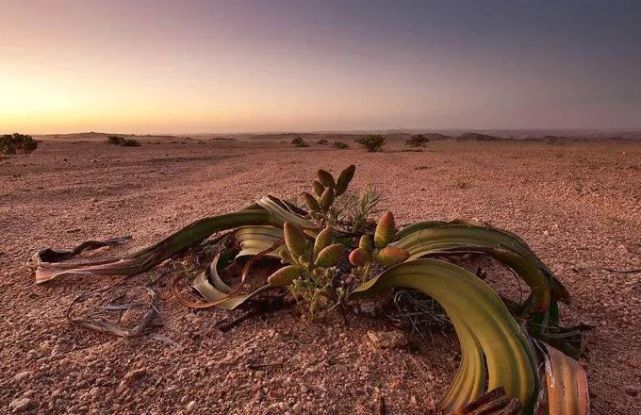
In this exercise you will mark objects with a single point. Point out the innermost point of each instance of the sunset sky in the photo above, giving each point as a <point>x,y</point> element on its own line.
<point>229,66</point>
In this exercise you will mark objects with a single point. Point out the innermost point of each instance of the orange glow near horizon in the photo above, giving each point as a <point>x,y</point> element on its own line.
<point>215,66</point>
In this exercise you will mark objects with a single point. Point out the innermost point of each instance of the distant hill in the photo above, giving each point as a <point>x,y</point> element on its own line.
<point>479,137</point>
<point>549,135</point>
<point>95,136</point>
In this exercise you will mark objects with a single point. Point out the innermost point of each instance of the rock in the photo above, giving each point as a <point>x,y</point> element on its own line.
<point>22,376</point>
<point>304,389</point>
<point>277,407</point>
<point>190,407</point>
<point>55,352</point>
<point>135,375</point>
<point>388,339</point>
<point>631,390</point>
<point>20,405</point>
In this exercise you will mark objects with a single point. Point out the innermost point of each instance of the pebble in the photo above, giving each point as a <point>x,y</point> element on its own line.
<point>20,404</point>
<point>134,375</point>
<point>56,351</point>
<point>631,390</point>
<point>388,339</point>
<point>190,407</point>
<point>22,376</point>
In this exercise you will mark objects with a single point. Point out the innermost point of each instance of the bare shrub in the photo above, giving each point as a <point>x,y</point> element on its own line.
<point>299,142</point>
<point>372,143</point>
<point>17,143</point>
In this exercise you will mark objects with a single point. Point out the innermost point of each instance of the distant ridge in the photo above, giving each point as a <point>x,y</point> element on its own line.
<point>548,135</point>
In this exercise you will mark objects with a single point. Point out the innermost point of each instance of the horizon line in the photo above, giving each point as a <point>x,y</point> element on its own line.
<point>348,131</point>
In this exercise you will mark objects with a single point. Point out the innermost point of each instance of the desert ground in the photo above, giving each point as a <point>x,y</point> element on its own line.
<point>578,205</point>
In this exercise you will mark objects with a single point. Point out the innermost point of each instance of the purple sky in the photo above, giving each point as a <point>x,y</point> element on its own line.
<point>215,66</point>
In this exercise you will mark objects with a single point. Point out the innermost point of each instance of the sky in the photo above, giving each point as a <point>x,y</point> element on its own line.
<point>279,65</point>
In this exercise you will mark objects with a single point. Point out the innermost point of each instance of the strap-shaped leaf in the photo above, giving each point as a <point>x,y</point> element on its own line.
<point>285,212</point>
<point>433,238</point>
<point>149,257</point>
<point>475,310</point>
<point>502,237</point>
<point>566,383</point>
<point>255,239</point>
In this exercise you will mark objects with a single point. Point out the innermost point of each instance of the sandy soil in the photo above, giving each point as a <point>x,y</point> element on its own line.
<point>578,205</point>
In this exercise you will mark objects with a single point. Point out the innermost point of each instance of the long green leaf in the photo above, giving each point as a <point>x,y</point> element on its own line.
<point>149,257</point>
<point>477,311</point>
<point>504,238</point>
<point>442,238</point>
<point>433,238</point>
<point>286,212</point>
<point>255,239</point>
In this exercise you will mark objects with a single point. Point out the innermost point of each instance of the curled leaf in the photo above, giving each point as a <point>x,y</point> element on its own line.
<point>284,276</point>
<point>326,178</point>
<point>329,256</point>
<point>495,351</point>
<point>385,230</point>
<point>344,178</point>
<point>391,256</point>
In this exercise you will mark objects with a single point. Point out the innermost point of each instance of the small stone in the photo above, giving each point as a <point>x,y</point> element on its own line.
<point>20,404</point>
<point>280,406</point>
<point>21,376</point>
<point>55,352</point>
<point>135,375</point>
<point>190,407</point>
<point>389,339</point>
<point>304,389</point>
<point>631,390</point>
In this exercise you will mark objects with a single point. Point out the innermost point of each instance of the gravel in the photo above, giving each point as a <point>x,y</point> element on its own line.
<point>578,205</point>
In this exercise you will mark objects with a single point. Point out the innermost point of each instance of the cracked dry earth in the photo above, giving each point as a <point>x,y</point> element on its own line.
<point>578,205</point>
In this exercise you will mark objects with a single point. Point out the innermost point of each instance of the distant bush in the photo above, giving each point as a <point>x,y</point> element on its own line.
<point>122,141</point>
<point>115,140</point>
<point>299,142</point>
<point>17,143</point>
<point>130,142</point>
<point>372,143</point>
<point>417,140</point>
<point>340,145</point>
<point>322,141</point>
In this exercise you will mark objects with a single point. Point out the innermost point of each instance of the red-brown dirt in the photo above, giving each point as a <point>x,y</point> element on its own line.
<point>578,205</point>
